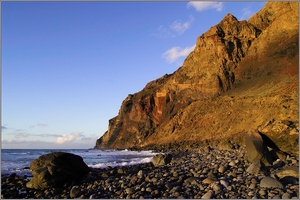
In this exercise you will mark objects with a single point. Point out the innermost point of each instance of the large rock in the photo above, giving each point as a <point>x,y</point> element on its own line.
<point>289,175</point>
<point>269,182</point>
<point>292,171</point>
<point>256,167</point>
<point>257,149</point>
<point>161,159</point>
<point>56,169</point>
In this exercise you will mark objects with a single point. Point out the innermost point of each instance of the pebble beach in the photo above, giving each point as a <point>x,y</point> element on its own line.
<point>206,173</point>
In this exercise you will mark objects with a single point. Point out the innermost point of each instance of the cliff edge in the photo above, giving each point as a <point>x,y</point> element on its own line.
<point>241,76</point>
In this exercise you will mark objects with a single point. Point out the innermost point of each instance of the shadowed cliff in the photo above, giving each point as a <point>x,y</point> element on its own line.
<point>242,75</point>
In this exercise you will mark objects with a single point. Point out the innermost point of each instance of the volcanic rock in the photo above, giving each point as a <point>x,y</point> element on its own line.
<point>56,169</point>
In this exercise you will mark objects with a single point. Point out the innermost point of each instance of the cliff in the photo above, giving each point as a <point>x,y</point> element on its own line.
<point>242,75</point>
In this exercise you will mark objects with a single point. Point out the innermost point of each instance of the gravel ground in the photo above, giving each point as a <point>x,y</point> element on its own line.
<point>207,173</point>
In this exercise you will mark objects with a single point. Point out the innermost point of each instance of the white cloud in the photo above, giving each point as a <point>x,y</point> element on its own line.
<point>79,142</point>
<point>204,5</point>
<point>22,135</point>
<point>163,32</point>
<point>39,125</point>
<point>180,27</point>
<point>68,138</point>
<point>177,27</point>
<point>246,13</point>
<point>174,53</point>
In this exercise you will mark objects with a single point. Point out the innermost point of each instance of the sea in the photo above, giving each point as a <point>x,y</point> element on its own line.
<point>18,160</point>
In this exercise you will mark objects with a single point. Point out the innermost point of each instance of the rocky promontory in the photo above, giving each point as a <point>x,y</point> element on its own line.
<point>242,76</point>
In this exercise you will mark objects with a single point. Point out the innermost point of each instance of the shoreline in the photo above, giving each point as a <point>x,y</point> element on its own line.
<point>198,173</point>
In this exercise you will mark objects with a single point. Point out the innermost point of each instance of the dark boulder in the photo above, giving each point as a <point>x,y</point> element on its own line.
<point>56,169</point>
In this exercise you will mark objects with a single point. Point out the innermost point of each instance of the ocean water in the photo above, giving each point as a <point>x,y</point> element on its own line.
<point>18,160</point>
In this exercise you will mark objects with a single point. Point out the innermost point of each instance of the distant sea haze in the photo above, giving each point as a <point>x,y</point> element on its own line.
<point>18,160</point>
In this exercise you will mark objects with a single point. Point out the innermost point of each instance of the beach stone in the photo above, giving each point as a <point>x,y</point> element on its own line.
<point>292,171</point>
<point>120,171</point>
<point>129,191</point>
<point>209,180</point>
<point>189,180</point>
<point>141,174</point>
<point>286,196</point>
<point>262,192</point>
<point>224,183</point>
<point>269,182</point>
<point>207,195</point>
<point>161,159</point>
<point>231,164</point>
<point>56,169</point>
<point>252,185</point>
<point>216,188</point>
<point>257,149</point>
<point>222,169</point>
<point>75,192</point>
<point>256,167</point>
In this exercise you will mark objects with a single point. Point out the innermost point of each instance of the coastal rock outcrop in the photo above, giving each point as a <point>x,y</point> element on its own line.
<point>161,159</point>
<point>241,76</point>
<point>257,149</point>
<point>56,169</point>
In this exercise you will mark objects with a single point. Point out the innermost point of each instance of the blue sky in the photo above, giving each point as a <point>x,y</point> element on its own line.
<point>67,66</point>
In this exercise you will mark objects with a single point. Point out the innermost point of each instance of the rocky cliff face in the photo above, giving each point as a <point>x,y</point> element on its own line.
<point>242,75</point>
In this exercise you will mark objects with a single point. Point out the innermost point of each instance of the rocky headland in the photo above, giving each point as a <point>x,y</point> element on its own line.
<point>241,76</point>
<point>226,122</point>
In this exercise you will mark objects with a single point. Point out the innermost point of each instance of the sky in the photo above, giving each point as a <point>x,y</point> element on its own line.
<point>67,66</point>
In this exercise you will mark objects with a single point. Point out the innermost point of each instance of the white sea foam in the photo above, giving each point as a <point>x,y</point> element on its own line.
<point>118,164</point>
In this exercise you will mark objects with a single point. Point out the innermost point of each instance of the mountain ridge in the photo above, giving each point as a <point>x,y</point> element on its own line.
<point>242,75</point>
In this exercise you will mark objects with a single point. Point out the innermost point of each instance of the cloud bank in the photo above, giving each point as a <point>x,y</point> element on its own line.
<point>69,138</point>
<point>175,53</point>
<point>203,5</point>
